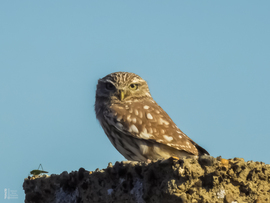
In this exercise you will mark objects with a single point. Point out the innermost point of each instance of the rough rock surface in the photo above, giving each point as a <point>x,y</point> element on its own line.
<point>206,179</point>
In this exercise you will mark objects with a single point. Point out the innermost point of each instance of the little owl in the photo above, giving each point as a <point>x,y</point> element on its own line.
<point>135,124</point>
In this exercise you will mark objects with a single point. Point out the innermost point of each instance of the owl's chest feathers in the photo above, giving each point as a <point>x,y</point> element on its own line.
<point>128,146</point>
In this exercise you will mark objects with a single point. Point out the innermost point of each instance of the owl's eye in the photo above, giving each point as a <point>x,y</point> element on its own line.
<point>109,86</point>
<point>133,86</point>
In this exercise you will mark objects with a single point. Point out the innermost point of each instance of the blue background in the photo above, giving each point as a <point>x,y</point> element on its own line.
<point>207,64</point>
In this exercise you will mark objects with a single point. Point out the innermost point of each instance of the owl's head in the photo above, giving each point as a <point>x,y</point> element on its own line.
<point>121,87</point>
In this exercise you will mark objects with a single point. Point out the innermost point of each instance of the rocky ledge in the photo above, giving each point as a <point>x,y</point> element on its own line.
<point>205,179</point>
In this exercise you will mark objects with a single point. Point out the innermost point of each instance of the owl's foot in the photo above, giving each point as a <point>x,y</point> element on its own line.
<point>175,158</point>
<point>170,160</point>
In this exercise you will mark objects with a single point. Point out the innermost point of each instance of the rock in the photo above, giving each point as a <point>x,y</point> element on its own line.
<point>203,179</point>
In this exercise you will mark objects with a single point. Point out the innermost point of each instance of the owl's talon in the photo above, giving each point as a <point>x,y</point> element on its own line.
<point>175,158</point>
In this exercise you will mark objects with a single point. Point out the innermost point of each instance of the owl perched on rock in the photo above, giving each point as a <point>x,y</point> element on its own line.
<point>135,124</point>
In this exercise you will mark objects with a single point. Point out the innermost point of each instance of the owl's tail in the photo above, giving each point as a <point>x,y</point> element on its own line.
<point>201,150</point>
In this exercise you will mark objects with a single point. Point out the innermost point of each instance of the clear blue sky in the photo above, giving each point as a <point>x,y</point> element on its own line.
<point>207,64</point>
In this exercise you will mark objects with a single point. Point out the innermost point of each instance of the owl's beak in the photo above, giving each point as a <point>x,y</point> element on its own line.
<point>122,95</point>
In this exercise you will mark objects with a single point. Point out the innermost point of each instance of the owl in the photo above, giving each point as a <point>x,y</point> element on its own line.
<point>135,124</point>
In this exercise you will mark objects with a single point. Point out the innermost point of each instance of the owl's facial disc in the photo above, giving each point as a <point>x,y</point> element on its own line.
<point>122,87</point>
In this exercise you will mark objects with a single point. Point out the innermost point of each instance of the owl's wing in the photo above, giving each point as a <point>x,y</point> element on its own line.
<point>147,120</point>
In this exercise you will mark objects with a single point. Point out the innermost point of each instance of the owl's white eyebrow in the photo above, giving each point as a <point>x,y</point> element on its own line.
<point>109,81</point>
<point>136,80</point>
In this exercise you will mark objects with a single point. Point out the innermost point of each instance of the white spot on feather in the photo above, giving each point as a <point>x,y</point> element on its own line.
<point>188,145</point>
<point>146,107</point>
<point>136,112</point>
<point>119,118</point>
<point>133,128</point>
<point>168,138</point>
<point>180,136</point>
<point>145,135</point>
<point>128,118</point>
<point>162,121</point>
<point>149,116</point>
<point>134,120</point>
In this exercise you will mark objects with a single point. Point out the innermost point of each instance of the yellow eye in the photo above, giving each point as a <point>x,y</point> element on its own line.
<point>133,86</point>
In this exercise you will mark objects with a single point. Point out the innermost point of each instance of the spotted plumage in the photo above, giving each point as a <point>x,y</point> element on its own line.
<point>135,124</point>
